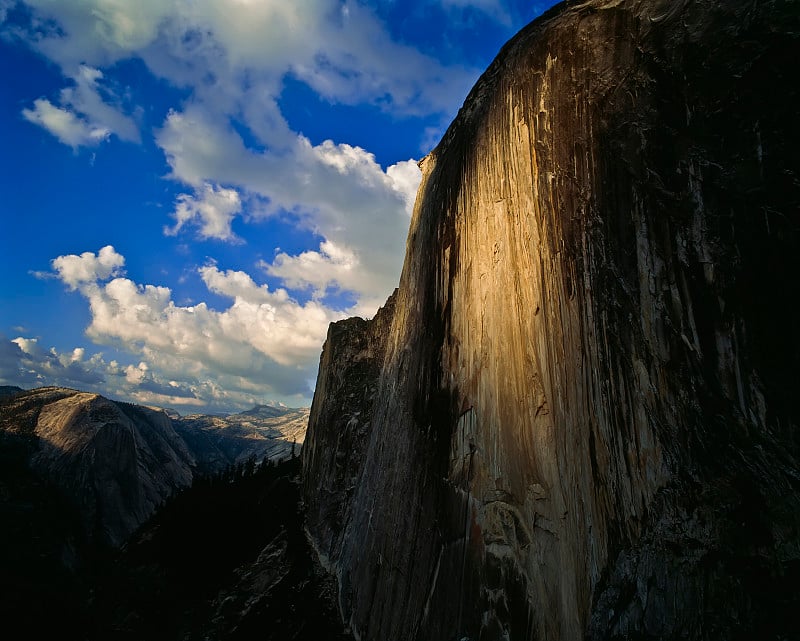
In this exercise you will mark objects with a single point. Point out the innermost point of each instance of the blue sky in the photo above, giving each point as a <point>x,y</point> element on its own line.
<point>192,190</point>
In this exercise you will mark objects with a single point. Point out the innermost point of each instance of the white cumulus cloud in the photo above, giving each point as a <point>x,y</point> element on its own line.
<point>331,266</point>
<point>234,57</point>
<point>340,49</point>
<point>23,361</point>
<point>212,208</point>
<point>88,267</point>
<point>338,191</point>
<point>65,125</point>
<point>264,340</point>
<point>84,118</point>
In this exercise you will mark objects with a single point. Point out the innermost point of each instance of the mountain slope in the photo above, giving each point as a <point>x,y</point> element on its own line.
<point>585,422</point>
<point>117,462</point>
<point>262,432</point>
<point>103,537</point>
<point>115,468</point>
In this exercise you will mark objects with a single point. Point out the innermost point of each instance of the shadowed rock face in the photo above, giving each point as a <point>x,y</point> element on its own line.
<point>334,457</point>
<point>585,422</point>
<point>116,467</point>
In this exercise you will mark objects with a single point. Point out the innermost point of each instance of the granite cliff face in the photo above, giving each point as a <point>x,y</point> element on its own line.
<point>344,399</point>
<point>580,421</point>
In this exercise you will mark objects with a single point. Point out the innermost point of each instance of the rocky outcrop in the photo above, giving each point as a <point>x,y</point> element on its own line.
<point>116,466</point>
<point>118,462</point>
<point>335,450</point>
<point>585,422</point>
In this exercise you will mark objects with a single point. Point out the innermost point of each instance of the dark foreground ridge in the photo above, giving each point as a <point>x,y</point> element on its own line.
<point>578,418</point>
<point>226,559</point>
<point>113,528</point>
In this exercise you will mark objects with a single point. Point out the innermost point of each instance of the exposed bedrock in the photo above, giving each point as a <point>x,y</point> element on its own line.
<point>115,463</point>
<point>581,418</point>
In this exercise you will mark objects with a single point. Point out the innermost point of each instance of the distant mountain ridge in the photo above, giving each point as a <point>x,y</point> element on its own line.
<point>266,411</point>
<point>262,432</point>
<point>117,462</point>
<point>9,390</point>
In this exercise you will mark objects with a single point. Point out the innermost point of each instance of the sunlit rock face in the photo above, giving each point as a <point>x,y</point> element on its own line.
<point>585,423</point>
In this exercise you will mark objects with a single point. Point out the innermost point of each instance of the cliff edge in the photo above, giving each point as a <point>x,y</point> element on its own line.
<point>581,420</point>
